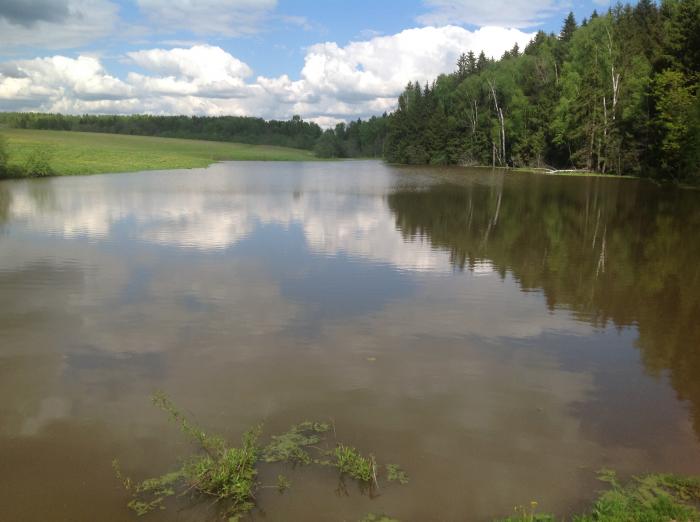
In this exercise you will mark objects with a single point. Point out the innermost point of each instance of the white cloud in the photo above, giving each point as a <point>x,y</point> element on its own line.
<point>381,67</point>
<point>200,62</point>
<point>225,17</point>
<point>365,77</point>
<point>201,70</point>
<point>41,81</point>
<point>508,13</point>
<point>336,82</point>
<point>74,22</point>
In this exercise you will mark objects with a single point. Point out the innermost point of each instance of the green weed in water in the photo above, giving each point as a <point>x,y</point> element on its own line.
<point>349,461</point>
<point>292,446</point>
<point>394,473</point>
<point>528,514</point>
<point>283,483</point>
<point>649,498</point>
<point>646,499</point>
<point>373,517</point>
<point>229,474</point>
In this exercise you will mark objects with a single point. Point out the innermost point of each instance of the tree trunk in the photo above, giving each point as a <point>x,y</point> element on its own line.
<point>501,121</point>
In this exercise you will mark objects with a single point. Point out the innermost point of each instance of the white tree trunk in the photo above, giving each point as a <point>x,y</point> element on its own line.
<point>501,122</point>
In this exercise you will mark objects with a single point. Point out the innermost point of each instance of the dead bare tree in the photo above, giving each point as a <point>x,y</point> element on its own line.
<point>501,121</point>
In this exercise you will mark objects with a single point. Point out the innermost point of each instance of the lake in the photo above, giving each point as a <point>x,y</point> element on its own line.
<point>500,336</point>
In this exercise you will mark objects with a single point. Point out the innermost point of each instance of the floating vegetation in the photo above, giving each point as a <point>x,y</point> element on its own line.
<point>648,498</point>
<point>373,517</point>
<point>350,462</point>
<point>229,474</point>
<point>395,474</point>
<point>292,446</point>
<point>528,514</point>
<point>283,483</point>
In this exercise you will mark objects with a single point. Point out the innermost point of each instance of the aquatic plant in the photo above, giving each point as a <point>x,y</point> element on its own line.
<point>283,483</point>
<point>351,462</point>
<point>291,446</point>
<point>394,473</point>
<point>528,514</point>
<point>373,517</point>
<point>229,474</point>
<point>647,498</point>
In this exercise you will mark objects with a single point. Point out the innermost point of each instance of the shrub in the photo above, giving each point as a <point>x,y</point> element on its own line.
<point>38,164</point>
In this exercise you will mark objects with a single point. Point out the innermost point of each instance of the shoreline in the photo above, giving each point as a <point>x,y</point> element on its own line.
<point>556,172</point>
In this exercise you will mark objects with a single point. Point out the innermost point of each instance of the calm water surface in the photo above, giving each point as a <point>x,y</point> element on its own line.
<point>502,337</point>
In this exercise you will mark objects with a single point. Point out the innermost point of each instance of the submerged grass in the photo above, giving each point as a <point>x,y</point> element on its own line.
<point>71,153</point>
<point>374,517</point>
<point>229,474</point>
<point>293,445</point>
<point>352,463</point>
<point>648,498</point>
<point>225,473</point>
<point>394,473</point>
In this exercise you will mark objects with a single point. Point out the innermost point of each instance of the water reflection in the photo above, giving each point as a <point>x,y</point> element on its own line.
<point>612,251</point>
<point>219,211</point>
<point>467,325</point>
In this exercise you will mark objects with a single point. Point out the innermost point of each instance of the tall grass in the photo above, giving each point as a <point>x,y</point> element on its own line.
<point>69,153</point>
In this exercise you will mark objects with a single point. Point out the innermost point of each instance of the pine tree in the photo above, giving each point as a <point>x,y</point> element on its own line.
<point>471,62</point>
<point>462,66</point>
<point>481,62</point>
<point>567,30</point>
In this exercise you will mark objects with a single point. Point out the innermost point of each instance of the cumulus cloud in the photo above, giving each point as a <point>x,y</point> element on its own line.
<point>201,70</point>
<point>201,62</point>
<point>336,83</point>
<point>225,17</point>
<point>41,81</point>
<point>508,13</point>
<point>365,77</point>
<point>379,68</point>
<point>54,24</point>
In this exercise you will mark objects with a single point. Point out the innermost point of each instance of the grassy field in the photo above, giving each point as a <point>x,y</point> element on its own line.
<point>72,153</point>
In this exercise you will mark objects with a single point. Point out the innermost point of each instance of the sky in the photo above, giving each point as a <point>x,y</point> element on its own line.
<point>326,60</point>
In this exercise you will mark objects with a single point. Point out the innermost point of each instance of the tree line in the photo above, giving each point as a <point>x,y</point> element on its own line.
<point>295,132</point>
<point>617,93</point>
<point>360,138</point>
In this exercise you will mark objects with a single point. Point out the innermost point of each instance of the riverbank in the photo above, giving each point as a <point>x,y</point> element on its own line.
<point>556,172</point>
<point>65,153</point>
<point>569,172</point>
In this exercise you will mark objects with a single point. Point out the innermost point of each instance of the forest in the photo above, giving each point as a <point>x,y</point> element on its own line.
<point>241,129</point>
<point>617,93</point>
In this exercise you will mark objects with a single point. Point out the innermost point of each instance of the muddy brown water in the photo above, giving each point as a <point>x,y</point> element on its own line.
<point>501,336</point>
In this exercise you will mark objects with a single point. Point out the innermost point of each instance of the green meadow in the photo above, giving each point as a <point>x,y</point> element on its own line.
<point>72,153</point>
